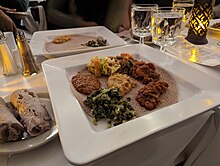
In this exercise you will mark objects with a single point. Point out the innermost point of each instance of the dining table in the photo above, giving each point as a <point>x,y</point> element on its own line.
<point>195,141</point>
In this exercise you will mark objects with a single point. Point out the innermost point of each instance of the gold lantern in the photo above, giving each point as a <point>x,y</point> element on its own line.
<point>199,21</point>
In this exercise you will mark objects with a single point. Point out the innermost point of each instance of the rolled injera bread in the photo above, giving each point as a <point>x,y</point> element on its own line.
<point>10,128</point>
<point>32,111</point>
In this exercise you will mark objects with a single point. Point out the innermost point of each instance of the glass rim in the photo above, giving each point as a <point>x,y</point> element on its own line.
<point>180,1</point>
<point>167,9</point>
<point>142,6</point>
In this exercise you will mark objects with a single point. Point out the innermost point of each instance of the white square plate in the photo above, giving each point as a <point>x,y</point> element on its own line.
<point>83,143</point>
<point>39,39</point>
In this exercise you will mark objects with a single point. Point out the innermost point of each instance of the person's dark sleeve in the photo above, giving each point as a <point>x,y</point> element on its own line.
<point>6,24</point>
<point>116,14</point>
<point>62,20</point>
<point>216,11</point>
<point>217,2</point>
<point>19,5</point>
<point>58,14</point>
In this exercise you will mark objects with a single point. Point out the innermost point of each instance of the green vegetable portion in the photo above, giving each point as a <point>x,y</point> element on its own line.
<point>96,43</point>
<point>109,104</point>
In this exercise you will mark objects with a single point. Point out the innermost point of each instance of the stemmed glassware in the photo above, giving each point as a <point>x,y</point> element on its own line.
<point>141,20</point>
<point>188,6</point>
<point>166,25</point>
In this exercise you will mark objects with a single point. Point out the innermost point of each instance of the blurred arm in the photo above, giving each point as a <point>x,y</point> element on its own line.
<point>19,5</point>
<point>6,24</point>
<point>216,11</point>
<point>118,15</point>
<point>59,14</point>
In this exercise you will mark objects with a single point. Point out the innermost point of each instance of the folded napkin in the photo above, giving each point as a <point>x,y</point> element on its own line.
<point>203,54</point>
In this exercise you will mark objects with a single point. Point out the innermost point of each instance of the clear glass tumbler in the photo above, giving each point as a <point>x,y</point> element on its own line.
<point>141,20</point>
<point>188,6</point>
<point>166,25</point>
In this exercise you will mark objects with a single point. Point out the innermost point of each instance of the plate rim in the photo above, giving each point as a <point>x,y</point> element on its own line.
<point>54,68</point>
<point>214,29</point>
<point>213,21</point>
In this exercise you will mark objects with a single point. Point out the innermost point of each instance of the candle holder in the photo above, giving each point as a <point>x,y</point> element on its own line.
<point>199,21</point>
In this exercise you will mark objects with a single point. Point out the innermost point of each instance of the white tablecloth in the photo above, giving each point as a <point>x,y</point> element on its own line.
<point>159,149</point>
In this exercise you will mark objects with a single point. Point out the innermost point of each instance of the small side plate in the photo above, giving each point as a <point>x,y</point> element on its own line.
<point>34,142</point>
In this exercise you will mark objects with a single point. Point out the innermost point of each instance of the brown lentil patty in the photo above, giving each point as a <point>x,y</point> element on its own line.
<point>85,83</point>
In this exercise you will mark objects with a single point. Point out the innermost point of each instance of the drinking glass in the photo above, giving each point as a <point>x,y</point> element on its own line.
<point>141,20</point>
<point>187,5</point>
<point>166,25</point>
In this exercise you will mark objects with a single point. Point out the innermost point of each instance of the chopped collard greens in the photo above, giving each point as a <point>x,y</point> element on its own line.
<point>109,104</point>
<point>96,43</point>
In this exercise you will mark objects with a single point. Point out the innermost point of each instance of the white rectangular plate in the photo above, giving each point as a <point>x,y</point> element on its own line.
<point>83,143</point>
<point>39,39</point>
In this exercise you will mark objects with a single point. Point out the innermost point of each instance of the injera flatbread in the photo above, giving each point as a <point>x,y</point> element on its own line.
<point>168,98</point>
<point>76,42</point>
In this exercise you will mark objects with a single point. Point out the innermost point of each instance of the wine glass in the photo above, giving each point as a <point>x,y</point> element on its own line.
<point>187,5</point>
<point>141,20</point>
<point>166,25</point>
